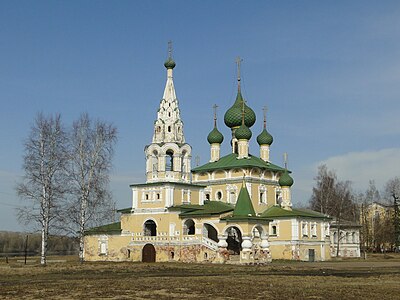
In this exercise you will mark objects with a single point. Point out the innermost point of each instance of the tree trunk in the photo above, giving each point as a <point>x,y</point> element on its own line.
<point>82,230</point>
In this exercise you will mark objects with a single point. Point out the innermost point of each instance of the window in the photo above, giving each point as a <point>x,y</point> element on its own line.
<point>304,228</point>
<point>103,248</point>
<point>146,196</point>
<point>169,128</point>
<point>314,229</point>
<point>158,196</point>
<point>219,195</point>
<point>273,230</point>
<point>208,196</point>
<point>150,228</point>
<point>189,227</point>
<point>262,194</point>
<point>185,196</point>
<point>169,161</point>
<point>232,197</point>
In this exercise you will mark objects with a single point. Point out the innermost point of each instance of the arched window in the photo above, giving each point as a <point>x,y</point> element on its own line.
<point>232,197</point>
<point>150,228</point>
<point>188,227</point>
<point>219,195</point>
<point>154,161</point>
<point>210,232</point>
<point>169,161</point>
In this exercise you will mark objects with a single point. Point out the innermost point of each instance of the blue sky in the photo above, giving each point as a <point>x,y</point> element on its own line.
<point>329,72</point>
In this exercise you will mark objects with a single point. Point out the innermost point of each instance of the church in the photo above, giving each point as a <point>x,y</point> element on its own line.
<point>237,208</point>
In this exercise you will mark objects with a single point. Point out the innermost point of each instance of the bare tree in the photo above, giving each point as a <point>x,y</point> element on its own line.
<point>333,197</point>
<point>43,183</point>
<point>91,147</point>
<point>392,191</point>
<point>367,224</point>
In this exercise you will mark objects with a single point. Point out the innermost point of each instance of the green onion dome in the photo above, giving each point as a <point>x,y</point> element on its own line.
<point>233,116</point>
<point>243,133</point>
<point>170,63</point>
<point>264,138</point>
<point>285,179</point>
<point>215,137</point>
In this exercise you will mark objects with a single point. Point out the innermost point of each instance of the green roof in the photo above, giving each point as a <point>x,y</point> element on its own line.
<point>113,228</point>
<point>244,207</point>
<point>231,161</point>
<point>215,136</point>
<point>125,210</point>
<point>265,138</point>
<point>285,179</point>
<point>209,208</point>
<point>233,116</point>
<point>278,212</point>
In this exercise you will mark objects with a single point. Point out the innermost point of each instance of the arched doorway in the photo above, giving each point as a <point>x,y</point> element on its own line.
<point>234,240</point>
<point>148,253</point>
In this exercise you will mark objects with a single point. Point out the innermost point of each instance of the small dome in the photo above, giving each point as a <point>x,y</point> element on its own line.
<point>233,116</point>
<point>285,179</point>
<point>264,138</point>
<point>215,137</point>
<point>170,63</point>
<point>243,133</point>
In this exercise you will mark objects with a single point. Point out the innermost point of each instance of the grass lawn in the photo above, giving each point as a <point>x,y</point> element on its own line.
<point>66,278</point>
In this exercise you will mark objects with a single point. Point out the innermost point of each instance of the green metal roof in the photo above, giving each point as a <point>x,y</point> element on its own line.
<point>231,161</point>
<point>278,212</point>
<point>286,179</point>
<point>265,138</point>
<point>215,136</point>
<point>233,116</point>
<point>244,207</point>
<point>125,210</point>
<point>209,208</point>
<point>113,228</point>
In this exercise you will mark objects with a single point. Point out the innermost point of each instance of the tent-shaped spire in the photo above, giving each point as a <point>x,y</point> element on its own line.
<point>244,206</point>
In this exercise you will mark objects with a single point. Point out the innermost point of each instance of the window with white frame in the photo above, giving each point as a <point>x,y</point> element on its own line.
<point>262,192</point>
<point>327,233</point>
<point>231,191</point>
<point>186,196</point>
<point>304,228</point>
<point>313,229</point>
<point>273,229</point>
<point>103,246</point>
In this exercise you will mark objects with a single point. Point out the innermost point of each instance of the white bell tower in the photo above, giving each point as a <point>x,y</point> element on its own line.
<point>168,156</point>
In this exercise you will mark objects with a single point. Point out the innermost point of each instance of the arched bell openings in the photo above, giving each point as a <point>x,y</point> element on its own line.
<point>169,160</point>
<point>154,161</point>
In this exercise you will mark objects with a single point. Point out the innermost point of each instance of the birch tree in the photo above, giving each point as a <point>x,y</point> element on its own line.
<point>43,183</point>
<point>91,147</point>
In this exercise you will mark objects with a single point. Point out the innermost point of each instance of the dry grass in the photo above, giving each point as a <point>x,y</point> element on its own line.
<point>350,279</point>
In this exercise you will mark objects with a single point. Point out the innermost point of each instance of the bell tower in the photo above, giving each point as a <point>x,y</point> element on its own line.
<point>168,156</point>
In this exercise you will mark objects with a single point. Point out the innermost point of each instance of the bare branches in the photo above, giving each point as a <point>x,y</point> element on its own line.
<point>67,175</point>
<point>331,196</point>
<point>44,179</point>
<point>91,150</point>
